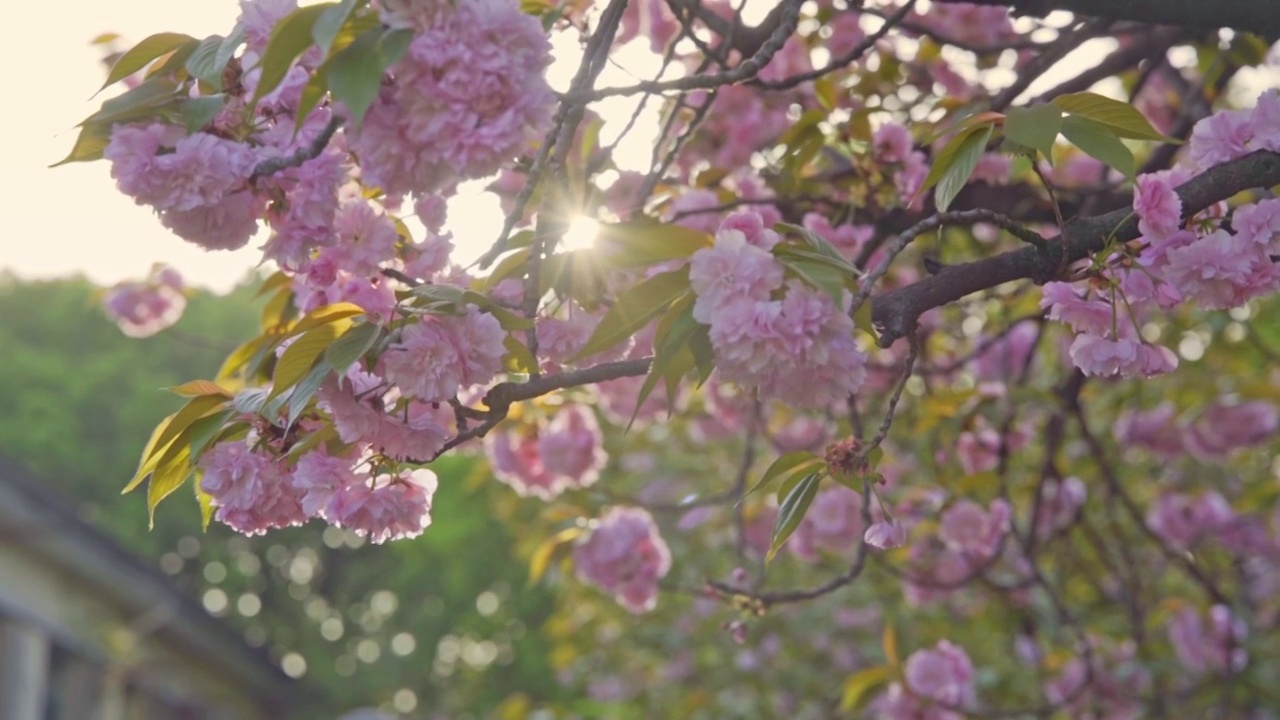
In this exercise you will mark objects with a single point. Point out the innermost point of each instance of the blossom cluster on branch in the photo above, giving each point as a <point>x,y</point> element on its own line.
<point>702,388</point>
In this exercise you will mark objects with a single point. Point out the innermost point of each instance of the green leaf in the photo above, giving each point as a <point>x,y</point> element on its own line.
<point>507,319</point>
<point>858,686</point>
<point>148,459</point>
<point>298,358</point>
<point>1100,142</point>
<point>306,389</point>
<point>290,38</point>
<point>203,432</point>
<point>548,550</point>
<point>640,244</point>
<point>227,48</point>
<point>195,409</point>
<point>518,357</point>
<point>962,164</point>
<point>202,63</point>
<point>168,477</point>
<point>205,501</point>
<point>787,466</point>
<point>355,74</point>
<point>199,112</point>
<point>312,93</point>
<point>791,510</point>
<point>173,62</point>
<point>143,53</point>
<point>196,388</point>
<point>818,275</point>
<point>823,250</point>
<point>145,100</point>
<point>947,157</point>
<point>634,308</point>
<point>1035,127</point>
<point>89,145</point>
<point>326,314</point>
<point>352,346</point>
<point>330,22</point>
<point>670,338</point>
<point>1123,119</point>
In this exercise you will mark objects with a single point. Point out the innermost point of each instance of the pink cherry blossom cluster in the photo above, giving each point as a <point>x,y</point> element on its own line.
<point>144,308</point>
<point>546,459</point>
<point>780,337</point>
<point>623,554</point>
<point>1216,267</point>
<point>253,491</point>
<point>937,684</point>
<point>469,93</point>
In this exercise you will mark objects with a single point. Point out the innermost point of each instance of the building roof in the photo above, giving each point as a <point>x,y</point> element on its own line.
<point>43,524</point>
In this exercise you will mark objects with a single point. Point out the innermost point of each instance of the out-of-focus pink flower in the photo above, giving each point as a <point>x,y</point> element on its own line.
<point>1215,646</point>
<point>891,143</point>
<point>142,309</point>
<point>937,685</point>
<point>1060,502</point>
<point>565,453</point>
<point>1224,428</point>
<point>624,555</point>
<point>886,534</point>
<point>1184,520</point>
<point>975,533</point>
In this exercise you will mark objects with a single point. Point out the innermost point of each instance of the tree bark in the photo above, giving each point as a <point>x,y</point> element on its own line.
<point>1256,16</point>
<point>895,313</point>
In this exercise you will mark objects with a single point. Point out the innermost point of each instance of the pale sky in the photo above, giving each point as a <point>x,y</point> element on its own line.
<point>71,219</point>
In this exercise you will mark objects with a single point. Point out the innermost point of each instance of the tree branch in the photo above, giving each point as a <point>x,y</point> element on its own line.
<point>896,312</point>
<point>1256,16</point>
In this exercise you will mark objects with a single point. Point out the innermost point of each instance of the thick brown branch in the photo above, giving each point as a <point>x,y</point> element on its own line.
<point>1257,16</point>
<point>896,312</point>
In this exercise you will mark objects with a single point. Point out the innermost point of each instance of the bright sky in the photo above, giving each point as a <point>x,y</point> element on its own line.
<point>71,219</point>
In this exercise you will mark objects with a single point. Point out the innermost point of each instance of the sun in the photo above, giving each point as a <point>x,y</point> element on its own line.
<point>581,234</point>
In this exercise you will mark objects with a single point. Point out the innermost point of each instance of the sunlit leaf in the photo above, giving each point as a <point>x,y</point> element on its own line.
<point>791,510</point>
<point>89,145</point>
<point>1100,142</point>
<point>352,346</point>
<point>1035,127</point>
<point>290,38</point>
<point>196,388</point>
<point>787,465</point>
<point>963,163</point>
<point>138,56</point>
<point>297,359</point>
<point>634,308</point>
<point>857,688</point>
<point>640,244</point>
<point>1121,118</point>
<point>355,74</point>
<point>548,550</point>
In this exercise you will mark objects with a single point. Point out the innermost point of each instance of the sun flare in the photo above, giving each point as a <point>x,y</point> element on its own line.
<point>581,234</point>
